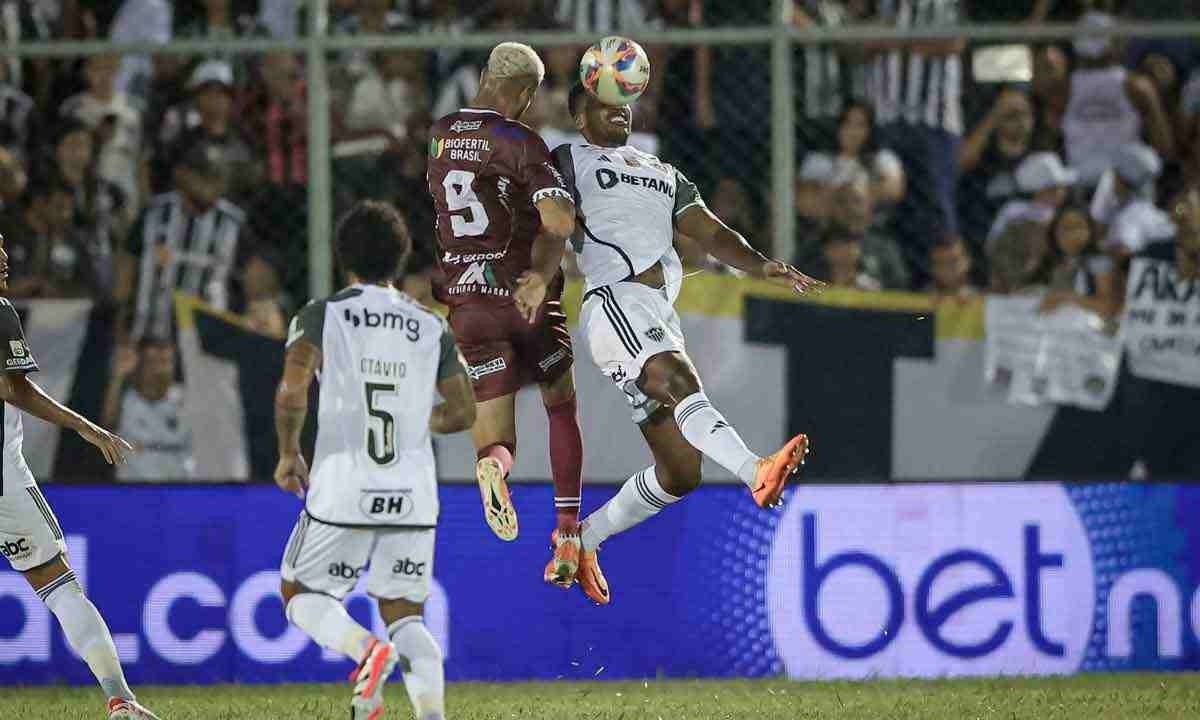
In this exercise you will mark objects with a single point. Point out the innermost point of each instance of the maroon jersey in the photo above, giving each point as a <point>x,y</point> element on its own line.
<point>485,173</point>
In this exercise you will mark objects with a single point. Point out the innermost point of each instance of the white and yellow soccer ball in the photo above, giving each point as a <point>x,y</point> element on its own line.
<point>615,70</point>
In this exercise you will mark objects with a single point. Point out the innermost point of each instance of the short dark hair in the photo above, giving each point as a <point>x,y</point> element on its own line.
<point>576,99</point>
<point>372,241</point>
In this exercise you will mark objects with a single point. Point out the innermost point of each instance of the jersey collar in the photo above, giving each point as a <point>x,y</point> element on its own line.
<point>478,110</point>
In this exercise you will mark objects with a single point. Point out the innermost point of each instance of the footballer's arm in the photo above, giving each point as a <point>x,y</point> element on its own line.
<point>456,412</point>
<point>558,224</point>
<point>729,247</point>
<point>18,390</point>
<point>300,366</point>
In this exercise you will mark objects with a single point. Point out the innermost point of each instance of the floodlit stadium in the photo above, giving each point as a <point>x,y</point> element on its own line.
<point>611,359</point>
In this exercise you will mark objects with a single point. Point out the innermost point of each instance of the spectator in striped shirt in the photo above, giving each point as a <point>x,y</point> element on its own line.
<point>915,87</point>
<point>186,240</point>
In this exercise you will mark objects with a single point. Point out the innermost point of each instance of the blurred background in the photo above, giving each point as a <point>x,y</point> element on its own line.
<point>1004,199</point>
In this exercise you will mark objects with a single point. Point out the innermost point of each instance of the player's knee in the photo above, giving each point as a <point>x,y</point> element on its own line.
<point>669,377</point>
<point>397,609</point>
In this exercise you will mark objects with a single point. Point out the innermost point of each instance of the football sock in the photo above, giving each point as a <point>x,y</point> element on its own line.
<point>640,498</point>
<point>566,461</point>
<point>709,432</point>
<point>86,633</point>
<point>502,452</point>
<point>424,677</point>
<point>326,621</point>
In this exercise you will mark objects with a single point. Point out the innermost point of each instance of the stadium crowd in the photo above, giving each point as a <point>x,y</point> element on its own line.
<point>126,179</point>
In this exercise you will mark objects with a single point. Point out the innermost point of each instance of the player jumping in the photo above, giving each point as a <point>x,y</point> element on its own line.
<point>30,536</point>
<point>503,218</point>
<point>372,497</point>
<point>630,204</point>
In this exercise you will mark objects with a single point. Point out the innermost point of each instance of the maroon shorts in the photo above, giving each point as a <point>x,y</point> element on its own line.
<point>505,352</point>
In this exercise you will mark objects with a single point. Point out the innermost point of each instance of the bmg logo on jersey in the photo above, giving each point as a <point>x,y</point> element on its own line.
<point>930,581</point>
<point>386,505</point>
<point>15,549</point>
<point>386,320</point>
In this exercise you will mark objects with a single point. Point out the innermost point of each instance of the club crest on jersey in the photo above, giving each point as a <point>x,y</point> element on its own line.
<point>466,125</point>
<point>17,347</point>
<point>656,334</point>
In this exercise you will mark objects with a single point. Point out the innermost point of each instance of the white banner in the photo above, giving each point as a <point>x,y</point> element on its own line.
<point>1063,357</point>
<point>55,330</point>
<point>1161,327</point>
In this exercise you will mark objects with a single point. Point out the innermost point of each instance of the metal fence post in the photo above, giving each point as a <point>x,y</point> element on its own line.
<point>783,135</point>
<point>320,199</point>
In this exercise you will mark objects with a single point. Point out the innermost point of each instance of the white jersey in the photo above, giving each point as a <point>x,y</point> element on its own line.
<point>628,201</point>
<point>17,358</point>
<point>382,357</point>
<point>1099,120</point>
<point>159,429</point>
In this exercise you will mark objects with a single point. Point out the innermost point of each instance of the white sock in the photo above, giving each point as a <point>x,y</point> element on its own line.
<point>424,676</point>
<point>326,621</point>
<point>86,633</point>
<point>709,432</point>
<point>640,498</point>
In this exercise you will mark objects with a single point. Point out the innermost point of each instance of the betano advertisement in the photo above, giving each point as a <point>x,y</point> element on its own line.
<point>844,582</point>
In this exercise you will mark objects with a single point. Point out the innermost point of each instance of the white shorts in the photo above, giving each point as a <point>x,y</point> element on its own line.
<point>30,535</point>
<point>626,324</point>
<point>331,558</point>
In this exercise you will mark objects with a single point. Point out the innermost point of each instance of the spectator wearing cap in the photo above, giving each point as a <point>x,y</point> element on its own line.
<point>988,160</point>
<point>48,255</point>
<point>1045,185</point>
<point>1124,203</point>
<point>1108,106</point>
<point>209,119</point>
<point>116,120</point>
<point>185,241</point>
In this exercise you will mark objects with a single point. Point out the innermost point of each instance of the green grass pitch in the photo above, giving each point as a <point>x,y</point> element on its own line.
<point>1089,697</point>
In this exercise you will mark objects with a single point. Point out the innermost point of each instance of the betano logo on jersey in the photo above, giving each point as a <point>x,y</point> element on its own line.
<point>479,278</point>
<point>608,178</point>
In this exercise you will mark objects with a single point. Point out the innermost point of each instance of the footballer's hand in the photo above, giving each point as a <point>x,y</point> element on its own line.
<point>783,274</point>
<point>529,295</point>
<point>291,474</point>
<point>114,447</point>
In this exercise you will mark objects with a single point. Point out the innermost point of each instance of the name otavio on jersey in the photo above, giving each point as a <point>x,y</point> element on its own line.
<point>608,178</point>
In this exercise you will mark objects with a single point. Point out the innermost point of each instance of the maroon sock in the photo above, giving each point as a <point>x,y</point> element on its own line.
<point>502,451</point>
<point>566,461</point>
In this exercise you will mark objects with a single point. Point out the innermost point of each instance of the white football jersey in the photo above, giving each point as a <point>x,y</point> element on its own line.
<point>159,429</point>
<point>16,357</point>
<point>383,354</point>
<point>627,201</point>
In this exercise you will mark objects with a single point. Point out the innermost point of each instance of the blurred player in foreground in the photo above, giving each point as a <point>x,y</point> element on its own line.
<point>630,203</point>
<point>503,219</point>
<point>371,500</point>
<point>30,536</point>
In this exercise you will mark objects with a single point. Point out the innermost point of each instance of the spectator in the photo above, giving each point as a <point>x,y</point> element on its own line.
<point>209,119</point>
<point>1050,96</point>
<point>1016,256</point>
<point>391,90</point>
<point>841,260</point>
<point>603,17</point>
<point>1188,129</point>
<point>857,152</point>
<point>364,17</point>
<point>920,111</point>
<point>988,160</point>
<point>167,102</point>
<point>826,75</point>
<point>265,307</point>
<point>950,270</point>
<point>17,113</point>
<point>144,403</point>
<point>218,20</point>
<point>48,257</point>
<point>115,120</point>
<point>13,179</point>
<point>1125,202</point>
<point>145,21</point>
<point>185,241</point>
<point>1078,274</point>
<point>1042,179</point>
<point>1108,106</point>
<point>100,210</point>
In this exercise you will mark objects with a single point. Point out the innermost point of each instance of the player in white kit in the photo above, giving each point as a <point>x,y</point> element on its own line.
<point>629,204</point>
<point>30,536</point>
<point>371,501</point>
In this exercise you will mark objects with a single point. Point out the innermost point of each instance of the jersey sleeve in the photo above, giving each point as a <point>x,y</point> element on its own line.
<point>536,171</point>
<point>565,163</point>
<point>450,360</point>
<point>686,193</point>
<point>18,358</point>
<point>308,324</point>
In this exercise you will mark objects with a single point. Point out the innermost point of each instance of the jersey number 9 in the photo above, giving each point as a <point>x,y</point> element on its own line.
<point>461,196</point>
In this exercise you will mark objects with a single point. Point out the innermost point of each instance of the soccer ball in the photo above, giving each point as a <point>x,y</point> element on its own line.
<point>615,70</point>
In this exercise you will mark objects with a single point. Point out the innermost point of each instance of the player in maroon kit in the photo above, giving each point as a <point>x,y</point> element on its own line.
<point>503,218</point>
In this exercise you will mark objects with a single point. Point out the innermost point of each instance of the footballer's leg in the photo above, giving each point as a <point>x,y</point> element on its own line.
<point>401,573</point>
<point>670,378</point>
<point>550,355</point>
<point>675,473</point>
